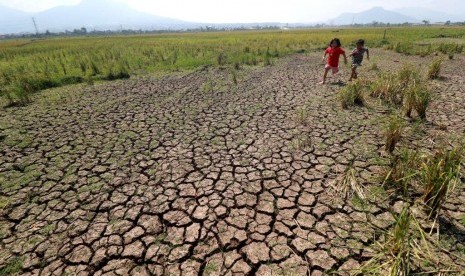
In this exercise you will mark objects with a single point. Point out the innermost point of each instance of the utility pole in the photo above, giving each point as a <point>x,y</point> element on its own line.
<point>35,26</point>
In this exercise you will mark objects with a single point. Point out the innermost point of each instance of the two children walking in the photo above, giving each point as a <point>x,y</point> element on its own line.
<point>334,51</point>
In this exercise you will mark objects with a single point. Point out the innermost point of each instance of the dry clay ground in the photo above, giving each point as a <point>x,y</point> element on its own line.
<point>192,174</point>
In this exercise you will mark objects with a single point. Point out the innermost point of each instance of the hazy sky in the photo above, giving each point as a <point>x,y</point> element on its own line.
<point>216,11</point>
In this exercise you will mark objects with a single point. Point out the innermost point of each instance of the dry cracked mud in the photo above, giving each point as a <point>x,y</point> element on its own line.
<point>192,174</point>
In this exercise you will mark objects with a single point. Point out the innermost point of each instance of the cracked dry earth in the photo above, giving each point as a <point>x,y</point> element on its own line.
<point>171,176</point>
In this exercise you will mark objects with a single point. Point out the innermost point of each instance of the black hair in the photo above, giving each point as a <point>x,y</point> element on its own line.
<point>361,42</point>
<point>338,42</point>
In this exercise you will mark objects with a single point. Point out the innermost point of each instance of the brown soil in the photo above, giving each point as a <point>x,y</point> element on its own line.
<point>166,176</point>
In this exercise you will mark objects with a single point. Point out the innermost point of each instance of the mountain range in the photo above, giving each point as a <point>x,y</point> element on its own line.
<point>91,14</point>
<point>432,16</point>
<point>377,14</point>
<point>112,15</point>
<point>410,15</point>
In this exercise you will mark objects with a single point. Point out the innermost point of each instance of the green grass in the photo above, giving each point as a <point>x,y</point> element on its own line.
<point>210,268</point>
<point>4,201</point>
<point>301,115</point>
<point>12,267</point>
<point>301,142</point>
<point>28,66</point>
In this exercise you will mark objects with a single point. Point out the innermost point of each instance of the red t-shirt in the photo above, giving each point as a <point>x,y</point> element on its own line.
<point>334,54</point>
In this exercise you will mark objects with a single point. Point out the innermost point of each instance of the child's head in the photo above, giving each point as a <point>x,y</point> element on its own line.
<point>335,43</point>
<point>360,43</point>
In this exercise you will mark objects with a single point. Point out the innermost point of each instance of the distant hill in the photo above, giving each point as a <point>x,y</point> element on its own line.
<point>432,16</point>
<point>102,15</point>
<point>377,14</point>
<point>12,21</point>
<point>91,14</point>
<point>112,15</point>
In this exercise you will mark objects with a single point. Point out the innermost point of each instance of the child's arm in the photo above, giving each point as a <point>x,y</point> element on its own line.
<point>368,54</point>
<point>345,58</point>
<point>352,53</point>
<point>324,56</point>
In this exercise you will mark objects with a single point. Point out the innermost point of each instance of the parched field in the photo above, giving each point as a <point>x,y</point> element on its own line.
<point>206,173</point>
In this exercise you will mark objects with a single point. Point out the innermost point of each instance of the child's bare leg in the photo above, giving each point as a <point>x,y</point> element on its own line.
<point>324,76</point>
<point>354,74</point>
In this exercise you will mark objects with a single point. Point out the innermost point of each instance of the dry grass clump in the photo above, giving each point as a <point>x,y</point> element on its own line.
<point>407,249</point>
<point>393,132</point>
<point>393,87</point>
<point>352,94</point>
<point>348,185</point>
<point>387,87</point>
<point>417,97</point>
<point>405,88</point>
<point>440,173</point>
<point>434,69</point>
<point>408,74</point>
<point>434,174</point>
<point>399,244</point>
<point>403,170</point>
<point>422,99</point>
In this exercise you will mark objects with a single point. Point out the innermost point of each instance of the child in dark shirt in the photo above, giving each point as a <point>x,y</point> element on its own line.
<point>357,57</point>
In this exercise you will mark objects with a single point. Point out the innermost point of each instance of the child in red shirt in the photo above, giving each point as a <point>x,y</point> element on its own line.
<point>334,51</point>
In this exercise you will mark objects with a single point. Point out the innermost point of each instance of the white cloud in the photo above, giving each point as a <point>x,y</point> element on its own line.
<point>253,10</point>
<point>36,5</point>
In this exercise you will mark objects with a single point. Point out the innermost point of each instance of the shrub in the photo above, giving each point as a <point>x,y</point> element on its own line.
<point>71,80</point>
<point>23,87</point>
<point>19,95</point>
<point>122,73</point>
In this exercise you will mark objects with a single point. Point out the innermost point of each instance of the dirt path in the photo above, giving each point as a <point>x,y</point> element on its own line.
<point>192,174</point>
